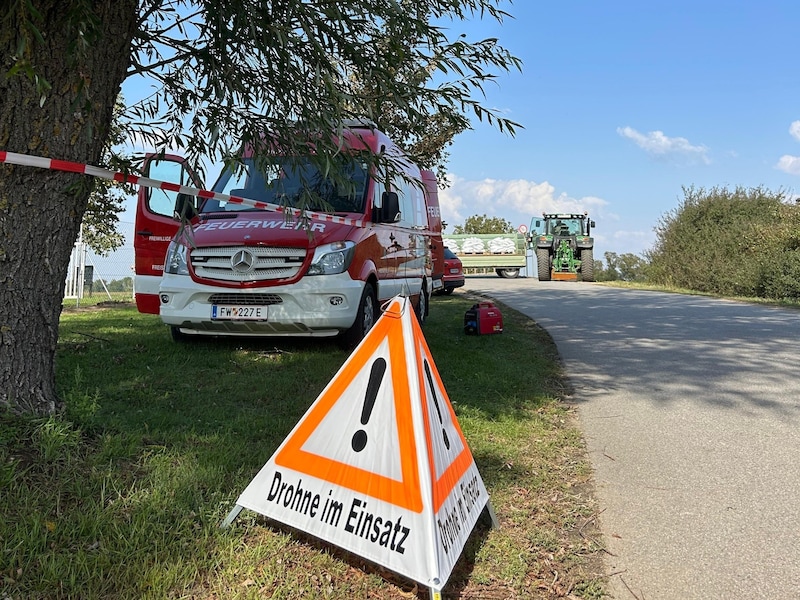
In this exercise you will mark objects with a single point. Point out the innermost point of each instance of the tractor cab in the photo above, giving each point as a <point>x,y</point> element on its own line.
<point>562,225</point>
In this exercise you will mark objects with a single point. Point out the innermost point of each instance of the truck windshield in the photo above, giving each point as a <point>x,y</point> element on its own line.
<point>566,227</point>
<point>289,182</point>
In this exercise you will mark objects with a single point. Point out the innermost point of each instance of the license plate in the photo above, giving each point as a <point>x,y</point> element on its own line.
<point>224,312</point>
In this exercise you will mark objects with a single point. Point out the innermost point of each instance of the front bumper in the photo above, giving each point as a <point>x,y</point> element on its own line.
<point>322,305</point>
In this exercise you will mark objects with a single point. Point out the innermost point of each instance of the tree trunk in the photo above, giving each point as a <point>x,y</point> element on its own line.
<point>41,211</point>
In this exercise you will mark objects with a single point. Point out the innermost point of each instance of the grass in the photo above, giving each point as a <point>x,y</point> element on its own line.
<point>122,497</point>
<point>99,298</point>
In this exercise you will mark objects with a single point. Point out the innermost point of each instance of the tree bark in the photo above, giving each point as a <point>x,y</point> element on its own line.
<point>41,211</point>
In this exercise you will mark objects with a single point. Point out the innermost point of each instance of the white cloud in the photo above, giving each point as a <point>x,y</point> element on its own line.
<point>789,164</point>
<point>625,239</point>
<point>515,200</point>
<point>659,145</point>
<point>794,130</point>
<point>520,200</point>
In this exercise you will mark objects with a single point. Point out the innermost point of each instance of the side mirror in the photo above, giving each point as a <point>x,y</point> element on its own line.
<point>390,207</point>
<point>185,208</point>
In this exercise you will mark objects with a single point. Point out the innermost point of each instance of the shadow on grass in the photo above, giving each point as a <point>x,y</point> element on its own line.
<point>175,431</point>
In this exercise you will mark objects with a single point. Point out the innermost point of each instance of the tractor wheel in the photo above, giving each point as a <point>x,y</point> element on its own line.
<point>587,264</point>
<point>543,264</point>
<point>508,273</point>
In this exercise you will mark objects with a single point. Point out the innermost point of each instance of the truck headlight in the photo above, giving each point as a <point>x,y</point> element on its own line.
<point>175,261</point>
<point>332,258</point>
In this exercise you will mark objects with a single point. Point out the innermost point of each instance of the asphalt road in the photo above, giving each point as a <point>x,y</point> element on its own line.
<point>690,409</point>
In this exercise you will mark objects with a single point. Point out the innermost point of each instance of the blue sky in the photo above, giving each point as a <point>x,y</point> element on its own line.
<point>626,102</point>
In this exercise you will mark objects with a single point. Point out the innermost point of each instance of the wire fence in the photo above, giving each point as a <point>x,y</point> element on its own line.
<point>93,278</point>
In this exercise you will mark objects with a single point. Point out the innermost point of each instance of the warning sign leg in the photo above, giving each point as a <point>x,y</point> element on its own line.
<point>231,517</point>
<point>495,522</point>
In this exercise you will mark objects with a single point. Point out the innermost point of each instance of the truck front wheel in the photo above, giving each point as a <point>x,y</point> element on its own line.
<point>543,263</point>
<point>587,264</point>
<point>422,305</point>
<point>366,317</point>
<point>508,273</point>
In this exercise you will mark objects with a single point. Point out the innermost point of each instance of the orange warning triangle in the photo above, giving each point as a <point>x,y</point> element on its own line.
<point>380,362</point>
<point>448,454</point>
<point>378,464</point>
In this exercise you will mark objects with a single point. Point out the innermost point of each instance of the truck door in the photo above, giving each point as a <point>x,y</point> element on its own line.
<point>414,268</point>
<point>386,248</point>
<point>435,227</point>
<point>155,226</point>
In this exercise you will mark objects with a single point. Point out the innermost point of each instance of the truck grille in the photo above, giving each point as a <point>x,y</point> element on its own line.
<point>247,263</point>
<point>245,299</point>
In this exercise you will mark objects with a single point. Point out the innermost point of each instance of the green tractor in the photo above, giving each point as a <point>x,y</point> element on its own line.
<point>564,246</point>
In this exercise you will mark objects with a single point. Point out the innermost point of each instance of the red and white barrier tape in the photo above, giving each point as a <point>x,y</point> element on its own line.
<point>73,167</point>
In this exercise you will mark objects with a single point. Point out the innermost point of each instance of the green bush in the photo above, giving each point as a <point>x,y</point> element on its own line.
<point>739,242</point>
<point>781,279</point>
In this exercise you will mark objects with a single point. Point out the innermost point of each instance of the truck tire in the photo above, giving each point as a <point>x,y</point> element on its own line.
<point>422,305</point>
<point>508,273</point>
<point>543,263</point>
<point>587,264</point>
<point>366,317</point>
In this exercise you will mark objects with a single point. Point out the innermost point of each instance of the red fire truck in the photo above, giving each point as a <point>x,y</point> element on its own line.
<point>236,270</point>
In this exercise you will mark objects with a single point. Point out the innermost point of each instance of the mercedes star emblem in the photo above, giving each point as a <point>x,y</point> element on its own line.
<point>242,261</point>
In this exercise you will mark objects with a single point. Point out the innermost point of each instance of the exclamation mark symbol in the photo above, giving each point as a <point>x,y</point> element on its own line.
<point>375,377</point>
<point>436,403</point>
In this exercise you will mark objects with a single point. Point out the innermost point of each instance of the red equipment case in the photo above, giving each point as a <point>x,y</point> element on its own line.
<point>483,318</point>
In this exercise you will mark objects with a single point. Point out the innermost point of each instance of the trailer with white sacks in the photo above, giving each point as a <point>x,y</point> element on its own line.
<point>504,253</point>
